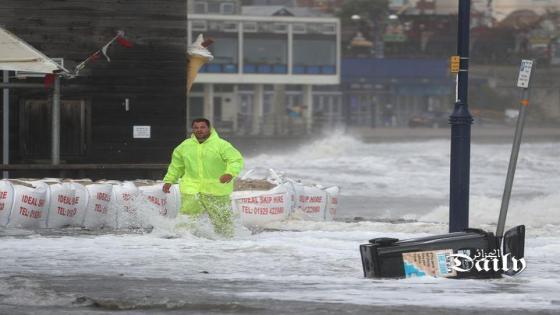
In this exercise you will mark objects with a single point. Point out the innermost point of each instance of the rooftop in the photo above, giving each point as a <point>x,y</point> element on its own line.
<point>272,10</point>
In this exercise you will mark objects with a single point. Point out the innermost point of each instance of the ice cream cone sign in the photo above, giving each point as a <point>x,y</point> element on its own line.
<point>197,56</point>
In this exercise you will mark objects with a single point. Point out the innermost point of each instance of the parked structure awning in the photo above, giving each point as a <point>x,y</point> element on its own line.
<point>17,55</point>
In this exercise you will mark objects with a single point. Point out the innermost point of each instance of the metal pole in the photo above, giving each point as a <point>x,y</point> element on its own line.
<point>308,101</point>
<point>55,153</point>
<point>346,110</point>
<point>513,162</point>
<point>461,121</point>
<point>6,125</point>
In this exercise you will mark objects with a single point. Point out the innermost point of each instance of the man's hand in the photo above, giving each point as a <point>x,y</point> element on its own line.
<point>166,187</point>
<point>226,178</point>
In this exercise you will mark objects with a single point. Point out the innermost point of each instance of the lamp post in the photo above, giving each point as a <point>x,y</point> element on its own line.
<point>461,121</point>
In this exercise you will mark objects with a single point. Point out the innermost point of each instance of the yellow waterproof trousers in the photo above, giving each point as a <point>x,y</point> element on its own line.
<point>218,209</point>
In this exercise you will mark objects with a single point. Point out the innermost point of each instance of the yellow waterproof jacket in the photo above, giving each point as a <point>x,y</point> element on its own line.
<point>198,166</point>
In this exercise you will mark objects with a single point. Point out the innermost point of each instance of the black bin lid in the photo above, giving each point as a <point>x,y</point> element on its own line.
<point>384,241</point>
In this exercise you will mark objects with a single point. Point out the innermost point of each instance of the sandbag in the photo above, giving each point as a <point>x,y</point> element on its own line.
<point>332,202</point>
<point>6,201</point>
<point>62,208</point>
<point>81,197</point>
<point>312,202</point>
<point>257,208</point>
<point>174,201</point>
<point>29,208</point>
<point>97,210</point>
<point>124,200</point>
<point>44,185</point>
<point>296,189</point>
<point>167,204</point>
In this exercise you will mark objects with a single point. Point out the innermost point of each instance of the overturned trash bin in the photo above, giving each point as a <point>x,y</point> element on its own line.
<point>471,254</point>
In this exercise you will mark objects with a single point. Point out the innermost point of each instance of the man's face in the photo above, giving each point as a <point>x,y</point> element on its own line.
<point>201,130</point>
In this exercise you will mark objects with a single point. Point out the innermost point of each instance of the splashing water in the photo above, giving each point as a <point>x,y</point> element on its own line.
<point>399,189</point>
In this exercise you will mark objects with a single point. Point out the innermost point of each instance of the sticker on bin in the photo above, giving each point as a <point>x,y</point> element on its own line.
<point>435,263</point>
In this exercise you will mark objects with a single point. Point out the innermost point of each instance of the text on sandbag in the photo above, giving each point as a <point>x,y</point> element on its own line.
<point>30,200</point>
<point>312,209</point>
<point>100,208</point>
<point>34,214</point>
<point>157,201</point>
<point>262,210</point>
<point>63,199</point>
<point>263,199</point>
<point>66,212</point>
<point>103,196</point>
<point>310,199</point>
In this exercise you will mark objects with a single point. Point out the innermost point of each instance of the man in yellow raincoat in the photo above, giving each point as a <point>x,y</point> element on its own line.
<point>205,165</point>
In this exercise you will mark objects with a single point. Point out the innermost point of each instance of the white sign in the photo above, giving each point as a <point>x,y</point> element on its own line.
<point>485,261</point>
<point>524,73</point>
<point>141,132</point>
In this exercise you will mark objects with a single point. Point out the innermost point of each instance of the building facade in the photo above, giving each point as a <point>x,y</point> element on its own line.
<point>273,73</point>
<point>388,92</point>
<point>141,86</point>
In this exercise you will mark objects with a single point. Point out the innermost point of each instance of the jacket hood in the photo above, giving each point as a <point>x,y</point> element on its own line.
<point>213,135</point>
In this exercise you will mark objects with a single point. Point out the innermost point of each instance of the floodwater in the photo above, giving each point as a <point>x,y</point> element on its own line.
<point>388,189</point>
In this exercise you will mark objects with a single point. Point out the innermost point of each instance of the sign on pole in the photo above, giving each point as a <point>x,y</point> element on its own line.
<point>524,73</point>
<point>454,64</point>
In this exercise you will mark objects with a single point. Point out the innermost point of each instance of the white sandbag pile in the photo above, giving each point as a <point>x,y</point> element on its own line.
<point>54,203</point>
<point>136,202</point>
<point>57,203</point>
<point>272,198</point>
